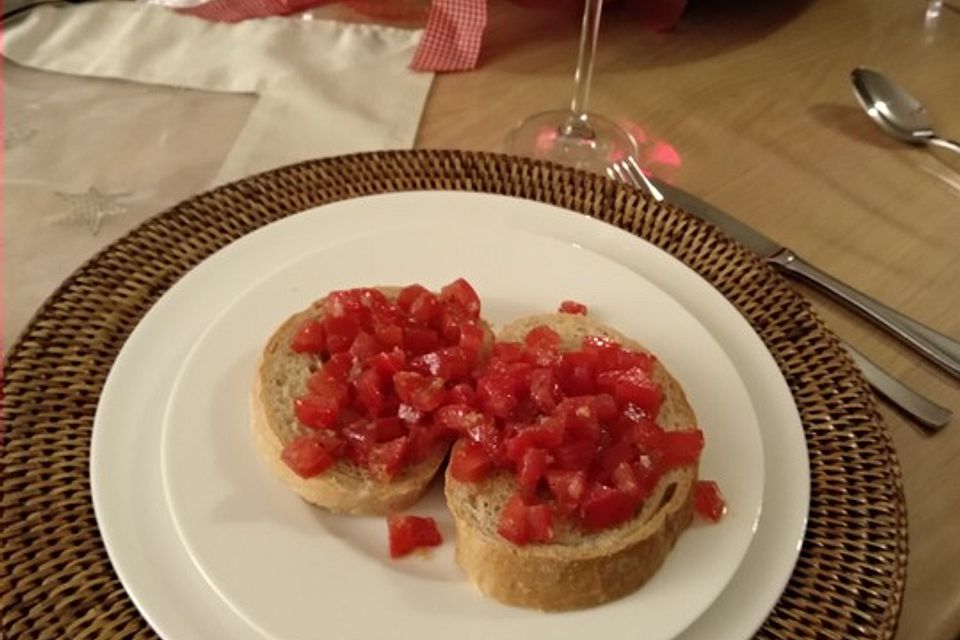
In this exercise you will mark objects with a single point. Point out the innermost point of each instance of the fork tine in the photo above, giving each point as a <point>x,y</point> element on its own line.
<point>633,167</point>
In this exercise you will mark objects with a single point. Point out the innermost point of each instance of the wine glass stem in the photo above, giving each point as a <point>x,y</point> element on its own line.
<point>578,124</point>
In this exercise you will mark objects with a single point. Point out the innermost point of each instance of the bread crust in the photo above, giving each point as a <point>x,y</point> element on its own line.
<point>344,487</point>
<point>575,570</point>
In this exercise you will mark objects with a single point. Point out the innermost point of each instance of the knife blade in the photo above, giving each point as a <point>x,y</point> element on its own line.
<point>936,347</point>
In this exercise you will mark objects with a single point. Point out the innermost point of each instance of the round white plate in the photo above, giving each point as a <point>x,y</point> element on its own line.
<point>138,529</point>
<point>225,503</point>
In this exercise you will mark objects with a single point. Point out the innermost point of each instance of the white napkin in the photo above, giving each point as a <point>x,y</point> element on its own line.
<point>133,129</point>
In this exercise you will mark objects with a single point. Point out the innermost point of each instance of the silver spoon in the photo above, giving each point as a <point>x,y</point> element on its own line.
<point>896,111</point>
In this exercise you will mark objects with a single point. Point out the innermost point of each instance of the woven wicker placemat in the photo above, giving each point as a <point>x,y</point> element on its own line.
<point>56,580</point>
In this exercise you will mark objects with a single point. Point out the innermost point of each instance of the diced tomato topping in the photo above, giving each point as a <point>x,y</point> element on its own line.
<point>523,524</point>
<point>578,428</point>
<point>307,457</point>
<point>604,507</point>
<point>309,338</point>
<point>316,412</point>
<point>571,306</point>
<point>708,501</point>
<point>460,292</point>
<point>470,462</point>
<point>408,533</point>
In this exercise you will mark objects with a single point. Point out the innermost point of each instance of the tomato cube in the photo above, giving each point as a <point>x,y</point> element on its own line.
<point>386,459</point>
<point>316,412</point>
<point>341,332</point>
<point>338,366</point>
<point>532,469</point>
<point>574,455</point>
<point>460,292</point>
<point>309,337</point>
<point>567,488</point>
<point>408,533</point>
<point>522,524</point>
<point>364,346</point>
<point>577,372</point>
<point>387,363</point>
<point>496,394</point>
<point>422,392</point>
<point>307,457</point>
<point>463,394</point>
<point>632,386</point>
<point>408,295</point>
<point>573,307</point>
<point>605,507</point>
<point>544,390</point>
<point>469,462</point>
<point>321,383</point>
<point>370,392</point>
<point>417,339</point>
<point>708,501</point>
<point>425,308</point>
<point>449,363</point>
<point>508,351</point>
<point>682,447</point>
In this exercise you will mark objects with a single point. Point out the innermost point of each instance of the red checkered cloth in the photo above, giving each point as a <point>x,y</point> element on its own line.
<point>453,35</point>
<point>450,42</point>
<point>237,10</point>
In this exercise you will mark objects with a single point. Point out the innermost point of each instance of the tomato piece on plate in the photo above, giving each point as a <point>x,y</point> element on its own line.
<point>573,307</point>
<point>522,524</point>
<point>462,293</point>
<point>309,338</point>
<point>470,462</point>
<point>316,412</point>
<point>708,501</point>
<point>605,507</point>
<point>307,457</point>
<point>408,533</point>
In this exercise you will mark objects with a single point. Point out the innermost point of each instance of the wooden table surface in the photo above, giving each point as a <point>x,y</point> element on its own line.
<point>755,99</point>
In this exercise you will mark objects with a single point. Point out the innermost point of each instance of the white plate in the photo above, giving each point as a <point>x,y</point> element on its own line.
<point>225,503</point>
<point>139,532</point>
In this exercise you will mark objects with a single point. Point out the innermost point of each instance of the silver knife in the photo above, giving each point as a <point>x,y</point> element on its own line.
<point>938,348</point>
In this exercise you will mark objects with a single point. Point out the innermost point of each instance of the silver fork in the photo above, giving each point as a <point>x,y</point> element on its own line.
<point>921,409</point>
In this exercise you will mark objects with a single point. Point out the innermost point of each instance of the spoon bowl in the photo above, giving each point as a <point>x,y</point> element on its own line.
<point>895,110</point>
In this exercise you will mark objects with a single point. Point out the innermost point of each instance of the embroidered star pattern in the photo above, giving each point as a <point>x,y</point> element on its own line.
<point>91,208</point>
<point>17,136</point>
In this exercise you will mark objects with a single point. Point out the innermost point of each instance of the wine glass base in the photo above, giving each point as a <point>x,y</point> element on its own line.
<point>548,136</point>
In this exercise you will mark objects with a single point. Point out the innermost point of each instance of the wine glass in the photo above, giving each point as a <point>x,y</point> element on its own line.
<point>575,137</point>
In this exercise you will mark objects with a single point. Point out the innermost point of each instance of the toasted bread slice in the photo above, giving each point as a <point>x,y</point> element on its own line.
<point>576,569</point>
<point>281,376</point>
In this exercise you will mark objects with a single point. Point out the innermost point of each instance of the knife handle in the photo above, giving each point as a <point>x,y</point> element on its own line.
<point>923,410</point>
<point>937,347</point>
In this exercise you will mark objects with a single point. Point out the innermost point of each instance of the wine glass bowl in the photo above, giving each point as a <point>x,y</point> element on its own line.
<point>575,137</point>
